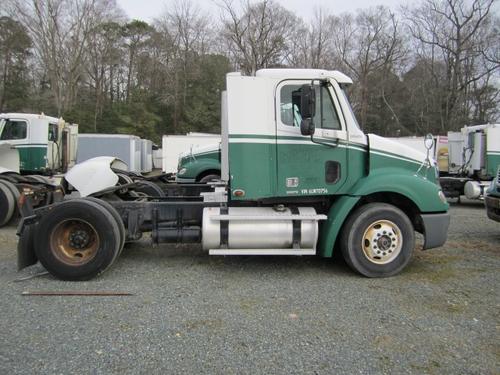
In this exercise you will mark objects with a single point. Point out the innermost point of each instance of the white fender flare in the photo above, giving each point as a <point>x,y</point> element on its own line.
<point>95,174</point>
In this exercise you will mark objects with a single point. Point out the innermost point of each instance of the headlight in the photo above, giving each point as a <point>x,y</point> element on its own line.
<point>182,171</point>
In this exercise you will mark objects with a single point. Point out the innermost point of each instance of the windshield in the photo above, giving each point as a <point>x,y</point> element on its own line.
<point>350,108</point>
<point>12,129</point>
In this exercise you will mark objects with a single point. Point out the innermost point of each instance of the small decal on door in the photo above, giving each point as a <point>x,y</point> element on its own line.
<point>292,182</point>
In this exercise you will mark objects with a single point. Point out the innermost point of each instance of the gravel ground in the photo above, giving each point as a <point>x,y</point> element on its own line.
<point>191,313</point>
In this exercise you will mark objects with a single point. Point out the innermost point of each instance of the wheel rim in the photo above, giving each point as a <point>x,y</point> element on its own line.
<point>74,242</point>
<point>382,242</point>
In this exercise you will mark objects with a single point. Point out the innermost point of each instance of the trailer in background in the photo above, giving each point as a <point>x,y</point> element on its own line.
<point>137,153</point>
<point>468,160</point>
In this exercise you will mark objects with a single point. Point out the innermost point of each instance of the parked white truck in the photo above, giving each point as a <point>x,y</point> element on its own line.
<point>298,177</point>
<point>473,160</point>
<point>467,159</point>
<point>32,147</point>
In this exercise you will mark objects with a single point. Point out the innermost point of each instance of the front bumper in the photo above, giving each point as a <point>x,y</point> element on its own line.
<point>492,207</point>
<point>435,229</point>
<point>184,180</point>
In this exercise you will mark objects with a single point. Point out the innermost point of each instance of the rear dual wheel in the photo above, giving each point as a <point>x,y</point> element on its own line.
<point>377,240</point>
<point>79,239</point>
<point>8,202</point>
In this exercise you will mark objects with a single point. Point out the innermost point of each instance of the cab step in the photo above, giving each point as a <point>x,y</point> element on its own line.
<point>262,252</point>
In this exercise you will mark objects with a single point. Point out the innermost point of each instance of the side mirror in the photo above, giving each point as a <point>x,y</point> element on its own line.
<point>429,141</point>
<point>307,101</point>
<point>307,126</point>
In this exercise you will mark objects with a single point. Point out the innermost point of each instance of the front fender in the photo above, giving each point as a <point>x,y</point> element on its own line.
<point>424,193</point>
<point>330,228</point>
<point>195,167</point>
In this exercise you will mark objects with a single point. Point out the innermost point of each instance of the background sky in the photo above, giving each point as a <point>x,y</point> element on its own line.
<point>149,9</point>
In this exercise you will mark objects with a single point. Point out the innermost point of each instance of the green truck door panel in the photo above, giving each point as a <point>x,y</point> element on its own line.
<point>305,167</point>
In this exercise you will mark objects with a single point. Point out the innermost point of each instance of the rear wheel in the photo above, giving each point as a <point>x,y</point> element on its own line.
<point>116,216</point>
<point>149,188</point>
<point>7,205</point>
<point>377,240</point>
<point>77,240</point>
<point>15,194</point>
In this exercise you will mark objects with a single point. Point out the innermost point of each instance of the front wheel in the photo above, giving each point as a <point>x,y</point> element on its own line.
<point>377,240</point>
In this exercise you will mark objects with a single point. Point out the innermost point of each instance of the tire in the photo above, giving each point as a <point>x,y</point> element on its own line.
<point>210,178</point>
<point>122,180</point>
<point>77,240</point>
<point>15,194</point>
<point>25,248</point>
<point>149,188</point>
<point>7,205</point>
<point>116,216</point>
<point>377,240</point>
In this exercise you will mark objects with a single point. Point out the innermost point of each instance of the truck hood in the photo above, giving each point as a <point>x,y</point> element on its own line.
<point>9,158</point>
<point>94,175</point>
<point>393,148</point>
<point>200,150</point>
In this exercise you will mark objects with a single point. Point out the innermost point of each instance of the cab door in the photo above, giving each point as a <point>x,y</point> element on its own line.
<point>306,166</point>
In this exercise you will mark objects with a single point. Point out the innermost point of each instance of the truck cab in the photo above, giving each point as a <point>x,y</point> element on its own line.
<point>46,144</point>
<point>297,177</point>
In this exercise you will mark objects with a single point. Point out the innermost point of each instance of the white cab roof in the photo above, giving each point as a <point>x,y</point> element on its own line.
<point>305,74</point>
<point>29,116</point>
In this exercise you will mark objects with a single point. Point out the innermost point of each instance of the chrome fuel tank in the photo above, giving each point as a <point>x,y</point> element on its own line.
<point>259,227</point>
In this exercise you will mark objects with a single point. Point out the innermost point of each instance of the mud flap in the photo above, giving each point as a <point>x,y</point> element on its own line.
<point>25,246</point>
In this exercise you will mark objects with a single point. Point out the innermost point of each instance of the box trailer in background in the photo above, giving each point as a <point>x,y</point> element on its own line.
<point>146,156</point>
<point>174,145</point>
<point>128,148</point>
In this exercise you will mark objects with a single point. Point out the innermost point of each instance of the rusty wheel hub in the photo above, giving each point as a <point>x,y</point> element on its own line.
<point>74,242</point>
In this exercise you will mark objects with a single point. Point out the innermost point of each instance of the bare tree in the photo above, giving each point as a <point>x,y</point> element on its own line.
<point>457,34</point>
<point>188,34</point>
<point>60,30</point>
<point>257,38</point>
<point>310,45</point>
<point>367,43</point>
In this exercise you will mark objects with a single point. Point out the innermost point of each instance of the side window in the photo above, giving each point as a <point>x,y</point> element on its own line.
<point>326,115</point>
<point>53,130</point>
<point>14,130</point>
<point>290,108</point>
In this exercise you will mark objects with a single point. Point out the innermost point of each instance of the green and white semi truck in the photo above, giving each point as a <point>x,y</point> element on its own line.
<point>32,148</point>
<point>46,144</point>
<point>298,177</point>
